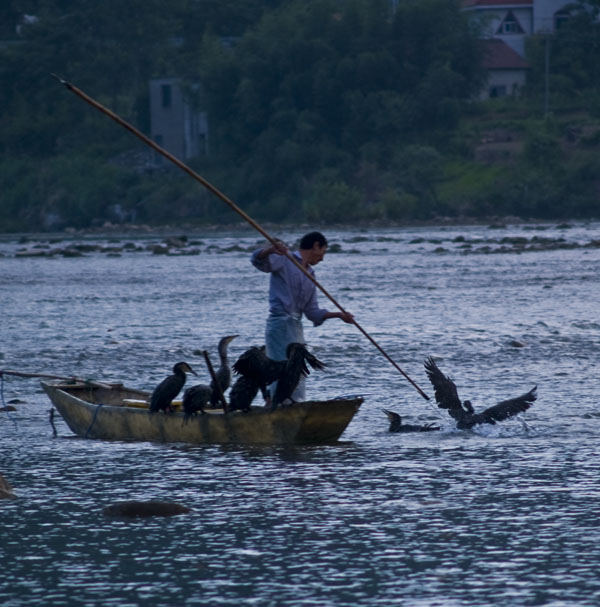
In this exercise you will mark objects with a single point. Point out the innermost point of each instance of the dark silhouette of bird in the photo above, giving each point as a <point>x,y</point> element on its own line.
<point>169,388</point>
<point>446,396</point>
<point>223,373</point>
<point>295,368</point>
<point>243,392</point>
<point>195,400</point>
<point>256,365</point>
<point>256,371</point>
<point>396,424</point>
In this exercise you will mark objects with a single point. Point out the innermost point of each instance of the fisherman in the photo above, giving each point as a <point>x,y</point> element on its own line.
<point>291,294</point>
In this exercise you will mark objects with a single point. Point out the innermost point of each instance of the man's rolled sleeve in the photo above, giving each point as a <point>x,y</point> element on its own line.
<point>269,263</point>
<point>313,312</point>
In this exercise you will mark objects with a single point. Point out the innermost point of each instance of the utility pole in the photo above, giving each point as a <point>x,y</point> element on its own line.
<point>546,75</point>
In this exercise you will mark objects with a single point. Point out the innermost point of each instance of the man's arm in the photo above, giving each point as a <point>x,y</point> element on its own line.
<point>345,316</point>
<point>261,258</point>
<point>280,248</point>
<point>320,315</point>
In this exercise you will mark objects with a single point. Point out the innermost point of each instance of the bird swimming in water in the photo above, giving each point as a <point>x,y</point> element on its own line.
<point>169,388</point>
<point>223,373</point>
<point>446,396</point>
<point>295,368</point>
<point>195,398</point>
<point>396,424</point>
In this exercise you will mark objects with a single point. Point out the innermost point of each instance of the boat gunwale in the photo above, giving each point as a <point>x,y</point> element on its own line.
<point>289,424</point>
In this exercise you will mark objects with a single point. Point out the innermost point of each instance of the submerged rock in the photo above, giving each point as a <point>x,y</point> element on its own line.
<point>131,509</point>
<point>6,491</point>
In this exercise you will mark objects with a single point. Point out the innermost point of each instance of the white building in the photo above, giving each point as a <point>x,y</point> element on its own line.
<point>505,25</point>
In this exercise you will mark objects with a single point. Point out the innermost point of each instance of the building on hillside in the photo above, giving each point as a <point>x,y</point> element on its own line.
<point>174,124</point>
<point>507,70</point>
<point>508,20</point>
<point>505,26</point>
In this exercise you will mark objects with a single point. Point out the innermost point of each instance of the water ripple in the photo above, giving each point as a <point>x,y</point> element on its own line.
<point>504,515</point>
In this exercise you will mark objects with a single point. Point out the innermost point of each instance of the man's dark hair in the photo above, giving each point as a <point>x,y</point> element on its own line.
<point>308,240</point>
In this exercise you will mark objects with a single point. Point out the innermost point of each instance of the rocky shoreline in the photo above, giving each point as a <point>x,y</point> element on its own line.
<point>156,243</point>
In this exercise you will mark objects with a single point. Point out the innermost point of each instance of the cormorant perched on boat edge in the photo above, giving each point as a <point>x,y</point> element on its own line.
<point>295,368</point>
<point>195,398</point>
<point>223,373</point>
<point>169,388</point>
<point>256,372</point>
<point>446,396</point>
<point>396,424</point>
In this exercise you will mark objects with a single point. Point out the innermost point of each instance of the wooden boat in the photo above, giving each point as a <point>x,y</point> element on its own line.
<point>115,412</point>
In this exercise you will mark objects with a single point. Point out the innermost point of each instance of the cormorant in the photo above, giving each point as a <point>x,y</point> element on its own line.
<point>223,373</point>
<point>295,368</point>
<point>446,396</point>
<point>169,388</point>
<point>242,393</point>
<point>396,424</point>
<point>195,399</point>
<point>256,372</point>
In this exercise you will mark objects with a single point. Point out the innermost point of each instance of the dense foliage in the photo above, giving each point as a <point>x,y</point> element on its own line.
<point>319,110</point>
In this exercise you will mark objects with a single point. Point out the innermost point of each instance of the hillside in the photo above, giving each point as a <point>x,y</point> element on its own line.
<point>318,112</point>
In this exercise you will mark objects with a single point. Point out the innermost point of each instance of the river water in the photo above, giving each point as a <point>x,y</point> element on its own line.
<point>501,515</point>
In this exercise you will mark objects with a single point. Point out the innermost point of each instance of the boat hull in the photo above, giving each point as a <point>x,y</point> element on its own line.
<point>101,412</point>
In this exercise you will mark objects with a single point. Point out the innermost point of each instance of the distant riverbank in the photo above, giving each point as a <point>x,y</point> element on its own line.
<point>504,237</point>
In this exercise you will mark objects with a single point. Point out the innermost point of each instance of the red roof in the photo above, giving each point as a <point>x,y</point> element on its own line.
<point>467,3</point>
<point>497,55</point>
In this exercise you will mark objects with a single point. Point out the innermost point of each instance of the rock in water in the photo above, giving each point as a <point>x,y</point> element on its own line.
<point>6,491</point>
<point>152,508</point>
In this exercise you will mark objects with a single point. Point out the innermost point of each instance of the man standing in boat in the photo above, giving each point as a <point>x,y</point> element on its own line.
<point>291,294</point>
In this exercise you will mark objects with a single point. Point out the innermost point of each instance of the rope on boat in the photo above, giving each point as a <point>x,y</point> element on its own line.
<point>4,405</point>
<point>93,420</point>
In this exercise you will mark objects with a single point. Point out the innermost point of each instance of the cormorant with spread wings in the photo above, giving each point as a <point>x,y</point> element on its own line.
<point>446,396</point>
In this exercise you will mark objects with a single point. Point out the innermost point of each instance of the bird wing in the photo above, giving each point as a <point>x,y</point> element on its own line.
<point>201,393</point>
<point>247,363</point>
<point>272,370</point>
<point>446,394</point>
<point>313,361</point>
<point>508,408</point>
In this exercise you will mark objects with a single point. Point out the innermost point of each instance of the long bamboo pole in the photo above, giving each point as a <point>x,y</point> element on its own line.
<point>233,206</point>
<point>72,378</point>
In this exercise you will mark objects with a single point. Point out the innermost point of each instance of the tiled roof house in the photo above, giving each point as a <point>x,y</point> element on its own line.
<point>505,25</point>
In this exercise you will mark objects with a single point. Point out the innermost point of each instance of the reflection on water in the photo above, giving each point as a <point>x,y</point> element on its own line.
<point>503,515</point>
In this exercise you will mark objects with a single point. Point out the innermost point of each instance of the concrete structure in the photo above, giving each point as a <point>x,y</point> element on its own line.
<point>174,124</point>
